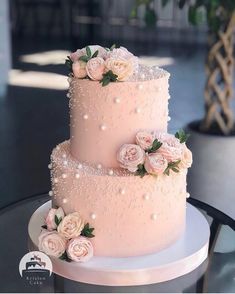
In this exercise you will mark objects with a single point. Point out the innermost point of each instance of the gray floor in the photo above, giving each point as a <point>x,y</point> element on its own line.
<point>34,120</point>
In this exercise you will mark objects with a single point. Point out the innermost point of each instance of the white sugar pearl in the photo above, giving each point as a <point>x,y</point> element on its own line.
<point>142,76</point>
<point>50,166</point>
<point>64,176</point>
<point>55,180</point>
<point>93,216</point>
<point>77,176</point>
<point>64,155</point>
<point>80,166</point>
<point>140,87</point>
<point>99,166</point>
<point>50,193</point>
<point>138,110</point>
<point>154,216</point>
<point>110,172</point>
<point>187,195</point>
<point>103,127</point>
<point>122,191</point>
<point>85,116</point>
<point>151,70</point>
<point>65,162</point>
<point>68,95</point>
<point>168,118</point>
<point>65,200</point>
<point>146,196</point>
<point>117,100</point>
<point>57,147</point>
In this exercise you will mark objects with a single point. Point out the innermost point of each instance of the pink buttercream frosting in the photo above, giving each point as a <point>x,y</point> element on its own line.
<point>120,206</point>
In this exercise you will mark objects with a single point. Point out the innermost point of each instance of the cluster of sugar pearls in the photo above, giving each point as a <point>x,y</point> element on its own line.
<point>147,73</point>
<point>61,158</point>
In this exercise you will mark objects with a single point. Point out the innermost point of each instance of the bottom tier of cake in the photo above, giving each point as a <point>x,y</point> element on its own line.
<point>131,215</point>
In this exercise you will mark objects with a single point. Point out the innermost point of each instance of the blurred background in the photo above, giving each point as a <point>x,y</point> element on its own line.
<point>35,38</point>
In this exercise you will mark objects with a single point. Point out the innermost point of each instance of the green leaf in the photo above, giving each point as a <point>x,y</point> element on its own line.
<point>84,58</point>
<point>57,220</point>
<point>182,136</point>
<point>133,13</point>
<point>108,77</point>
<point>87,231</point>
<point>150,17</point>
<point>156,145</point>
<point>65,257</point>
<point>112,47</point>
<point>88,51</point>
<point>69,63</point>
<point>174,166</point>
<point>141,171</point>
<point>95,54</point>
<point>195,15</point>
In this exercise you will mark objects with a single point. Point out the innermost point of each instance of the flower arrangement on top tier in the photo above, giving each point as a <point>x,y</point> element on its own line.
<point>66,236</point>
<point>102,64</point>
<point>156,154</point>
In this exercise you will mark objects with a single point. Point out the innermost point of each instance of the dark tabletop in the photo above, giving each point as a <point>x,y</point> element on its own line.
<point>216,274</point>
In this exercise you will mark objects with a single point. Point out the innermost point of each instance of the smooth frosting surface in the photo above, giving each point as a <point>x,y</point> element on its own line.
<point>104,118</point>
<point>131,215</point>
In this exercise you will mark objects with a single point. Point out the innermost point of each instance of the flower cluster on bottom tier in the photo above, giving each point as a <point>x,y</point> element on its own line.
<point>66,236</point>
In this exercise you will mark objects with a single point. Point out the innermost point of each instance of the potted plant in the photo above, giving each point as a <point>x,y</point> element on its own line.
<point>212,176</point>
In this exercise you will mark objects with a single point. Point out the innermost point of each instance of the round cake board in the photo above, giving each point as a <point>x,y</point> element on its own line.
<point>182,257</point>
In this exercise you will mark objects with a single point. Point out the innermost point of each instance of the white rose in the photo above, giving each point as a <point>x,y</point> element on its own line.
<point>144,140</point>
<point>51,243</point>
<point>124,54</point>
<point>120,67</point>
<point>187,158</point>
<point>95,68</point>
<point>71,226</point>
<point>50,219</point>
<point>80,249</point>
<point>130,156</point>
<point>79,69</point>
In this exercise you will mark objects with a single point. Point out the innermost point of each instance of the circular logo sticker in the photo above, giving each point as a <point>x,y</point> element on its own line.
<point>35,266</point>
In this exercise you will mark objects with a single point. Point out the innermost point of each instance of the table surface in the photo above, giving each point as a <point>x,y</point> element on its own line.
<point>216,274</point>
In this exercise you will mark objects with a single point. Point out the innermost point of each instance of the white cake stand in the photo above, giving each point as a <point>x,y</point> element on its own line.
<point>179,259</point>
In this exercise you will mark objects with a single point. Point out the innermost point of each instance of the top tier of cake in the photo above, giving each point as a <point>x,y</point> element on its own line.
<point>102,118</point>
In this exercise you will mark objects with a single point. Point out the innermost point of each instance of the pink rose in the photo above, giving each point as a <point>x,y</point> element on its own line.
<point>71,226</point>
<point>144,140</point>
<point>80,249</point>
<point>74,56</point>
<point>155,163</point>
<point>102,52</point>
<point>120,67</point>
<point>123,54</point>
<point>130,156</point>
<point>95,68</point>
<point>187,158</point>
<point>51,243</point>
<point>50,219</point>
<point>79,69</point>
<point>171,147</point>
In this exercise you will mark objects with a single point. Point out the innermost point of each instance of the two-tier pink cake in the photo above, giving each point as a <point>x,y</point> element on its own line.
<point>120,170</point>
